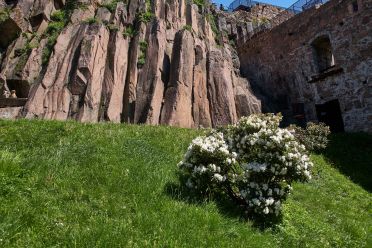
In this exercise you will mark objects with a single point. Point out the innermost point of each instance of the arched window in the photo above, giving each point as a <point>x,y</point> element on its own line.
<point>323,55</point>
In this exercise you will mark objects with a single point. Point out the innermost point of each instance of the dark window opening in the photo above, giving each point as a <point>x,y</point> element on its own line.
<point>324,58</point>
<point>21,87</point>
<point>355,6</point>
<point>330,114</point>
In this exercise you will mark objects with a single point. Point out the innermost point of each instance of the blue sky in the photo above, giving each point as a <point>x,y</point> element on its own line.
<point>283,3</point>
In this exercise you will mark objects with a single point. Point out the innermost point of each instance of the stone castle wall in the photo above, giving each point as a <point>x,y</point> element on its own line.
<point>282,65</point>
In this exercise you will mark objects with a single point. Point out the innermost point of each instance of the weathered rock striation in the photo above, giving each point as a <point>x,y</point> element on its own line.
<point>154,62</point>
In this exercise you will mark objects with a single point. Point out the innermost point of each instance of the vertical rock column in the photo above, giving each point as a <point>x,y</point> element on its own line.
<point>51,98</point>
<point>92,64</point>
<point>220,89</point>
<point>201,111</point>
<point>116,70</point>
<point>150,86</point>
<point>177,110</point>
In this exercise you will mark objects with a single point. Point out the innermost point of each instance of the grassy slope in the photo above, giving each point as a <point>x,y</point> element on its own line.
<point>69,184</point>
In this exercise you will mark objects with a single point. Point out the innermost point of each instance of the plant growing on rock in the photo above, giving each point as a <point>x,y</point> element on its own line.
<point>200,3</point>
<point>4,14</point>
<point>188,28</point>
<point>91,20</point>
<point>253,162</point>
<point>111,5</point>
<point>146,16</point>
<point>143,51</point>
<point>59,19</point>
<point>129,31</point>
<point>112,27</point>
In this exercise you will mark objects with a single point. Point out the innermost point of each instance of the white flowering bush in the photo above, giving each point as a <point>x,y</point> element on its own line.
<point>254,162</point>
<point>314,137</point>
<point>206,162</point>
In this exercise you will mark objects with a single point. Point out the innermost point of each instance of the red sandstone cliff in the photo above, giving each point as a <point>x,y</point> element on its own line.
<point>155,62</point>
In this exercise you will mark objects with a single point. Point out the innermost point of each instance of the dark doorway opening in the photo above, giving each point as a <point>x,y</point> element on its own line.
<point>330,114</point>
<point>298,112</point>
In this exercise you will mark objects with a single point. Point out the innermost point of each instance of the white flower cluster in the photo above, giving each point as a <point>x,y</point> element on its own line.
<point>206,160</point>
<point>254,158</point>
<point>314,137</point>
<point>263,199</point>
<point>210,144</point>
<point>270,158</point>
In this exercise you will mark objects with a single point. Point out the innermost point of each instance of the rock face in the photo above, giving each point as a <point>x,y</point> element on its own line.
<point>153,62</point>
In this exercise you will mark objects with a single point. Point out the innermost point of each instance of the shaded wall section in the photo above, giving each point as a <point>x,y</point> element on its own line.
<point>283,64</point>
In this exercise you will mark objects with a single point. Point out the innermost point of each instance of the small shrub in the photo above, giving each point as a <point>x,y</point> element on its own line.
<point>141,61</point>
<point>142,57</point>
<point>129,31</point>
<point>143,46</point>
<point>55,27</point>
<point>58,16</point>
<point>70,6</point>
<point>4,14</point>
<point>253,162</point>
<point>25,52</point>
<point>213,22</point>
<point>145,17</point>
<point>52,32</point>
<point>200,3</point>
<point>91,20</point>
<point>264,20</point>
<point>111,5</point>
<point>112,27</point>
<point>83,6</point>
<point>314,137</point>
<point>188,28</point>
<point>206,163</point>
<point>59,19</point>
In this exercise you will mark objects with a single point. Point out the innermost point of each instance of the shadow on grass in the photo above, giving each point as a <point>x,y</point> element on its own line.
<point>351,154</point>
<point>224,204</point>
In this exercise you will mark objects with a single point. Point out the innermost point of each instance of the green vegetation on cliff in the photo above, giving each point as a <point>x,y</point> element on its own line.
<point>85,185</point>
<point>4,14</point>
<point>59,20</point>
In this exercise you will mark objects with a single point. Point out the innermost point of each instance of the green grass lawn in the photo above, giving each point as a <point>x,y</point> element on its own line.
<point>106,185</point>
